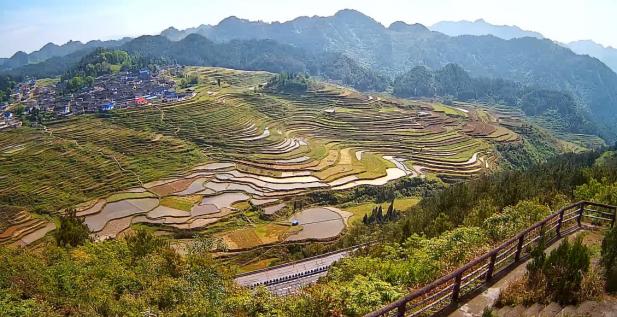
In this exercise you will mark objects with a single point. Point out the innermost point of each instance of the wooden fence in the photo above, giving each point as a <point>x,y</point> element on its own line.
<point>445,293</point>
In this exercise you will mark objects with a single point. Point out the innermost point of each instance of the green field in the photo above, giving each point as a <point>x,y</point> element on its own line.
<point>279,145</point>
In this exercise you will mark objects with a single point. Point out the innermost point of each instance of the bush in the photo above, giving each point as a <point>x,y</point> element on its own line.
<point>564,270</point>
<point>609,259</point>
<point>562,276</point>
<point>143,242</point>
<point>488,312</point>
<point>72,231</point>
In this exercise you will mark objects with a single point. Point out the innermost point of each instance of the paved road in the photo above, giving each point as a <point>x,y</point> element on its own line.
<point>292,286</point>
<point>289,278</point>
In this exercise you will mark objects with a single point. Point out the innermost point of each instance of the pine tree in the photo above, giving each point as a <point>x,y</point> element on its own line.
<point>379,215</point>
<point>390,214</point>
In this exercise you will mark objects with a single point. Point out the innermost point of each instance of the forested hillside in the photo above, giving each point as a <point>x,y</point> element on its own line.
<point>196,50</point>
<point>6,84</point>
<point>453,82</point>
<point>400,47</point>
<point>52,50</point>
<point>102,62</point>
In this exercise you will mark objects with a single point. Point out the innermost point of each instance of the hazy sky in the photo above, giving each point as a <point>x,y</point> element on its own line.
<point>29,24</point>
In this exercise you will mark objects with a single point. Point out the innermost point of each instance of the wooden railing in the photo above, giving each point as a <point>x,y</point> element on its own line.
<point>445,293</point>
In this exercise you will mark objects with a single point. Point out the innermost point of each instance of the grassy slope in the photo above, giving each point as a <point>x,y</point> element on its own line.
<point>82,159</point>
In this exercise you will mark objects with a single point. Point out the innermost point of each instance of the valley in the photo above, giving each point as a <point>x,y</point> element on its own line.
<point>338,165</point>
<point>240,151</point>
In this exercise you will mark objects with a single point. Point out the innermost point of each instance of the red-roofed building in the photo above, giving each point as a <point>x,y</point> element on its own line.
<point>140,101</point>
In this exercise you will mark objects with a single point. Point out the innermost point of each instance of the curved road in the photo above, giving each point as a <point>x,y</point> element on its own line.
<point>288,278</point>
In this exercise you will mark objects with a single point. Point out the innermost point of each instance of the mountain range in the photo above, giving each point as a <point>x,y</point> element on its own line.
<point>51,50</point>
<point>399,47</point>
<point>481,27</point>
<point>360,43</point>
<point>608,55</point>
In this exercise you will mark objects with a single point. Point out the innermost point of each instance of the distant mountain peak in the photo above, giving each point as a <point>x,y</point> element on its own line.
<point>350,15</point>
<point>171,29</point>
<point>49,45</point>
<point>481,27</point>
<point>400,26</point>
<point>232,20</point>
<point>607,54</point>
<point>20,54</point>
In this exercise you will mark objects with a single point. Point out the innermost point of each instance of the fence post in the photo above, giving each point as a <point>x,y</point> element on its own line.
<point>457,287</point>
<point>614,217</point>
<point>491,266</point>
<point>400,312</point>
<point>581,208</point>
<point>519,248</point>
<point>559,222</point>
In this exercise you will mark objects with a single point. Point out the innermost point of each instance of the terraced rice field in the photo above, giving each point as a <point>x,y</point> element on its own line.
<point>19,228</point>
<point>189,165</point>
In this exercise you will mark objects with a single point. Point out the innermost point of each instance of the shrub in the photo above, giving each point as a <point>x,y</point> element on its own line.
<point>562,276</point>
<point>143,242</point>
<point>488,312</point>
<point>591,285</point>
<point>609,259</point>
<point>515,218</point>
<point>564,270</point>
<point>72,231</point>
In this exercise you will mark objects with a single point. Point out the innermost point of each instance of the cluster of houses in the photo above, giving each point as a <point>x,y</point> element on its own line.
<point>112,91</point>
<point>8,120</point>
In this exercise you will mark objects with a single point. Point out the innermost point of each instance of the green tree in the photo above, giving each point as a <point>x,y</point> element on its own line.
<point>144,242</point>
<point>71,231</point>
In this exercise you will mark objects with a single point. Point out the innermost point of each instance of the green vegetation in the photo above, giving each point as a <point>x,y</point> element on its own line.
<point>609,259</point>
<point>372,47</point>
<point>87,157</point>
<point>71,230</point>
<point>181,202</point>
<point>6,84</point>
<point>363,209</point>
<point>378,217</point>
<point>102,62</point>
<point>554,107</point>
<point>564,269</point>
<point>565,276</point>
<point>83,159</point>
<point>336,66</point>
<point>289,83</point>
<point>189,81</point>
<point>111,278</point>
<point>428,240</point>
<point>123,196</point>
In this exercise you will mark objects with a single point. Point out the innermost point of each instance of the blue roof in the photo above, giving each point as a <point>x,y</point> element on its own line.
<point>107,106</point>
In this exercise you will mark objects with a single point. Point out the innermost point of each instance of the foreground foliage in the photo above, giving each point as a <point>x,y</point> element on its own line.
<point>609,259</point>
<point>143,275</point>
<point>111,278</point>
<point>565,276</point>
